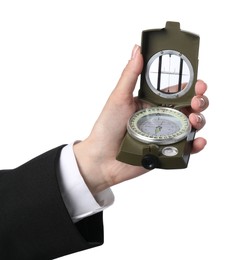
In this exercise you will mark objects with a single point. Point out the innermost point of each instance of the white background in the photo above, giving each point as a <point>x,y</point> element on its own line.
<point>59,61</point>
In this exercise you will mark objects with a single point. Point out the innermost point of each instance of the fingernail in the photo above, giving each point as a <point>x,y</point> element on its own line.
<point>199,118</point>
<point>201,102</point>
<point>134,51</point>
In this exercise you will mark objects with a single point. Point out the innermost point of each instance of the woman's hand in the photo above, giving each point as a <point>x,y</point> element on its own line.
<point>96,155</point>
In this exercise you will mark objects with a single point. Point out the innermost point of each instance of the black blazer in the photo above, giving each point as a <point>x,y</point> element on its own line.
<point>34,222</point>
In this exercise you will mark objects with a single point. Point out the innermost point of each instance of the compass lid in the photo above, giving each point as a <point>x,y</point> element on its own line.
<point>170,65</point>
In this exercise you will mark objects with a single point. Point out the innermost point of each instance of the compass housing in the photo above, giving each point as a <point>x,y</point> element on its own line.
<point>167,84</point>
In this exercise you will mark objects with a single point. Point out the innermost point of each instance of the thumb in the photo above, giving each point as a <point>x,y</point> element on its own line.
<point>129,76</point>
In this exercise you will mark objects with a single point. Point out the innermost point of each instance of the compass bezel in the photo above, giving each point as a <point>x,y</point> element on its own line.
<point>175,116</point>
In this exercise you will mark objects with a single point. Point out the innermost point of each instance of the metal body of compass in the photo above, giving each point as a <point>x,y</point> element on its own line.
<point>161,136</point>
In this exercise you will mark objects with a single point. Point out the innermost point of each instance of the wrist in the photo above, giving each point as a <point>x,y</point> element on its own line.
<point>90,167</point>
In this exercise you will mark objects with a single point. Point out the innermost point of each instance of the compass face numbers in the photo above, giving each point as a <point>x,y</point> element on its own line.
<point>159,125</point>
<point>169,74</point>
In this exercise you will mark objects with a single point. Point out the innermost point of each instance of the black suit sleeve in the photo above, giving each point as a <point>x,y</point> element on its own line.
<point>34,222</point>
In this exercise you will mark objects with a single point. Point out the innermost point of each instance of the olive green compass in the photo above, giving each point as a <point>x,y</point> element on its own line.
<point>161,136</point>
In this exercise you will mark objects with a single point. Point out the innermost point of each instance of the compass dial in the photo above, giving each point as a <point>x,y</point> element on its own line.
<point>160,125</point>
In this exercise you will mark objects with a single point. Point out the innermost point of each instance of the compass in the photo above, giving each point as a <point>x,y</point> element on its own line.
<point>161,136</point>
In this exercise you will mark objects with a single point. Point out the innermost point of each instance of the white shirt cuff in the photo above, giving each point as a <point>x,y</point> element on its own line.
<point>78,199</point>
